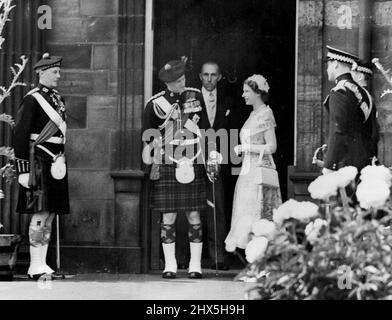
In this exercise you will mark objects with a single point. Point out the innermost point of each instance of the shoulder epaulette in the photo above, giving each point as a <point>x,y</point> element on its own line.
<point>354,89</point>
<point>156,96</point>
<point>340,86</point>
<point>192,89</point>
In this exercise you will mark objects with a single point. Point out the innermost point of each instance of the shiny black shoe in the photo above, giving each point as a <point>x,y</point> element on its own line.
<point>195,275</point>
<point>221,266</point>
<point>169,275</point>
<point>57,276</point>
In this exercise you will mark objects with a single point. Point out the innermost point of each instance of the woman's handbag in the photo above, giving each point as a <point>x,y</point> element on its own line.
<point>264,175</point>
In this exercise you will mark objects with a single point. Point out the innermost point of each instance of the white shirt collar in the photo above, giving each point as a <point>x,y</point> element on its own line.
<point>206,93</point>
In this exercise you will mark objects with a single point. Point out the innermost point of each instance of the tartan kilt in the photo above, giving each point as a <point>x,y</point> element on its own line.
<point>52,195</point>
<point>168,195</point>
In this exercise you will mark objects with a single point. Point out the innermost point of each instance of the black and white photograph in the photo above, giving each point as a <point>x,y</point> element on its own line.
<point>212,152</point>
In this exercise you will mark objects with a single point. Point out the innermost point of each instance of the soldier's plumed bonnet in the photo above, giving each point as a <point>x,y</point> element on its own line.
<point>172,70</point>
<point>48,62</point>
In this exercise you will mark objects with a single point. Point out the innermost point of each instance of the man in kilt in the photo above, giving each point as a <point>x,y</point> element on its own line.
<point>172,145</point>
<point>39,139</point>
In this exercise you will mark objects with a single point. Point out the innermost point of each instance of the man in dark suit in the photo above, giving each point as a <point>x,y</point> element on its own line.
<point>362,72</point>
<point>349,107</point>
<point>219,114</point>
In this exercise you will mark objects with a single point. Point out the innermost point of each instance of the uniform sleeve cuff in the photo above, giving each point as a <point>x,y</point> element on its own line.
<point>22,166</point>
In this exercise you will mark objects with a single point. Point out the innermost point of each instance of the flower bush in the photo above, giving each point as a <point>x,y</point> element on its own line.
<point>339,249</point>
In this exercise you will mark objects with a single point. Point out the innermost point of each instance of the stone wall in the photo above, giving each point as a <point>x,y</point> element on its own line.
<point>382,49</point>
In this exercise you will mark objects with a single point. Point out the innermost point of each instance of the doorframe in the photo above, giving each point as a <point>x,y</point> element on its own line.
<point>296,83</point>
<point>148,50</point>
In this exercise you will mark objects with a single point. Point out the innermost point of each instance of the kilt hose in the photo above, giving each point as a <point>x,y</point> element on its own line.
<point>50,195</point>
<point>168,195</point>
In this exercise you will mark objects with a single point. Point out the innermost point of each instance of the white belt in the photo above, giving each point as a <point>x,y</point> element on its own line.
<point>185,142</point>
<point>185,158</point>
<point>56,140</point>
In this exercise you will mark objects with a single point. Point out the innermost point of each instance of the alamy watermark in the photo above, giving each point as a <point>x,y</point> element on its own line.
<point>345,278</point>
<point>44,17</point>
<point>183,143</point>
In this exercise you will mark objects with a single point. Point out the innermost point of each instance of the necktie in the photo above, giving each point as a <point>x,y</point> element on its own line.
<point>211,108</point>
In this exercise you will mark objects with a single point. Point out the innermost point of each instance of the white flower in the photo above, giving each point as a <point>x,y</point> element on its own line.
<point>372,193</point>
<point>345,175</point>
<point>256,248</point>
<point>313,228</point>
<point>261,82</point>
<point>376,173</point>
<point>284,211</point>
<point>305,210</point>
<point>265,228</point>
<point>324,186</point>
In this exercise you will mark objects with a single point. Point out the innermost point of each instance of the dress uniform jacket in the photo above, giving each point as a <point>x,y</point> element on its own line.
<point>167,194</point>
<point>347,104</point>
<point>49,194</point>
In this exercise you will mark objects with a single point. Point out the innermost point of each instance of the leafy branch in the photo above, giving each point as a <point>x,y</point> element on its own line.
<point>5,7</point>
<point>6,92</point>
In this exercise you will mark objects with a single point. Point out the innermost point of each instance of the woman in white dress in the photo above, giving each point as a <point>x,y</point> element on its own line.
<point>253,201</point>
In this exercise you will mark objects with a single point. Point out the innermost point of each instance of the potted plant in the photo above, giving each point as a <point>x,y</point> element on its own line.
<point>9,243</point>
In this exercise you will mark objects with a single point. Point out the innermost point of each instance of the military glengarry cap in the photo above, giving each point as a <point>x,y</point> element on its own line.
<point>363,67</point>
<point>172,70</point>
<point>341,56</point>
<point>48,62</point>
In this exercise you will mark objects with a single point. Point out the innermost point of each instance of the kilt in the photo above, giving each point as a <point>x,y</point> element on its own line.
<point>50,195</point>
<point>168,195</point>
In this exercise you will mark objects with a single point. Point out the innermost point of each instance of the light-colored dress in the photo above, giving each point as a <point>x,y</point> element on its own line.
<point>252,201</point>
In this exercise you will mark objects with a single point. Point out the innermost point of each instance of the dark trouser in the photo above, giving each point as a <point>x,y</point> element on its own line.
<point>208,220</point>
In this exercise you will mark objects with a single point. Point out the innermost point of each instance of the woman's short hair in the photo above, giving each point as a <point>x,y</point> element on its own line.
<point>253,85</point>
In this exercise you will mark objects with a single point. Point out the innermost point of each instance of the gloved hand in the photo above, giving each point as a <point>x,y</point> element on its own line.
<point>23,180</point>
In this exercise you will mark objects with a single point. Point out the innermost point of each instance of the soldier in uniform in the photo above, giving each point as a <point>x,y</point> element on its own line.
<point>172,145</point>
<point>38,141</point>
<point>362,72</point>
<point>349,107</point>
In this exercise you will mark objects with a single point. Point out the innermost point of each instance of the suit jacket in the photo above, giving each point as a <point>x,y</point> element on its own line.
<point>346,146</point>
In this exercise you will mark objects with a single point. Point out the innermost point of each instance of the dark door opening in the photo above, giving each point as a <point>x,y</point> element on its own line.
<point>244,37</point>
